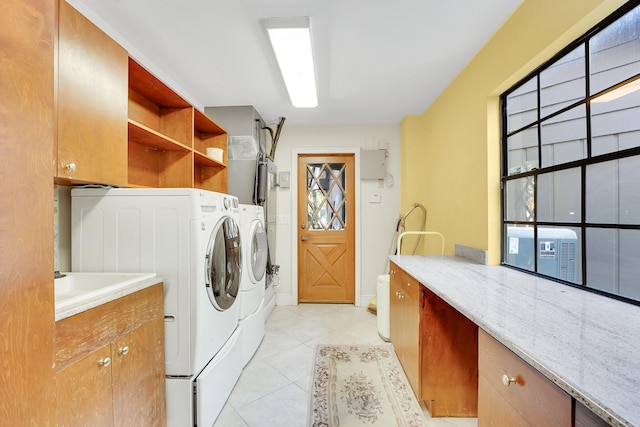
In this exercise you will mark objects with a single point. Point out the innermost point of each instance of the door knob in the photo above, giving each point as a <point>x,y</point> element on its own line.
<point>303,238</point>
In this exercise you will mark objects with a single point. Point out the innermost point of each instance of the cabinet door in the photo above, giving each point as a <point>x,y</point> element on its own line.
<point>92,102</point>
<point>493,410</point>
<point>83,392</point>
<point>411,327</point>
<point>404,318</point>
<point>395,314</point>
<point>138,376</point>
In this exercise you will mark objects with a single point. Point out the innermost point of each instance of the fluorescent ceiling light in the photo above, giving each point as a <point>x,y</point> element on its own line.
<point>291,42</point>
<point>618,93</point>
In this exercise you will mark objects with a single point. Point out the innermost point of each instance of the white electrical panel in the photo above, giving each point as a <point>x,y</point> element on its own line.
<point>372,164</point>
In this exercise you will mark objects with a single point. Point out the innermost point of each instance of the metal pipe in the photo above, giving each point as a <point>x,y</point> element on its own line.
<point>400,229</point>
<point>403,219</point>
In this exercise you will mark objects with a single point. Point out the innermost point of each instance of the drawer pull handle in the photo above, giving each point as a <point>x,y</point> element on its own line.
<point>507,380</point>
<point>105,362</point>
<point>123,350</point>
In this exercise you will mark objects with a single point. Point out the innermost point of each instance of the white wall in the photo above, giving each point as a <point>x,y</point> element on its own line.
<point>377,220</point>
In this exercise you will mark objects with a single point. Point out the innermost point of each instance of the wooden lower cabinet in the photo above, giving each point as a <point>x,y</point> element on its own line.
<point>110,363</point>
<point>436,346</point>
<point>84,392</point>
<point>449,359</point>
<point>138,386</point>
<point>459,370</point>
<point>404,318</point>
<point>513,393</point>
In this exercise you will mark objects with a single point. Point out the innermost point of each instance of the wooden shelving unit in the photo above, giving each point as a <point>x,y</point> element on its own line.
<point>168,138</point>
<point>209,174</point>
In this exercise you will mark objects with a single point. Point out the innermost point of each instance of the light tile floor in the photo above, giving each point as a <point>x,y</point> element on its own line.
<point>273,389</point>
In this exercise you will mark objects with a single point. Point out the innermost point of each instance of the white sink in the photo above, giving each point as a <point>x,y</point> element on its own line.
<point>78,292</point>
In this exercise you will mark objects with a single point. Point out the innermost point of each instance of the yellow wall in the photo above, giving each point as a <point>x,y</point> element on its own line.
<point>450,158</point>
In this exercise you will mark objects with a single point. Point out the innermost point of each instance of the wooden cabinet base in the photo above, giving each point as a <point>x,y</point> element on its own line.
<point>110,363</point>
<point>449,359</point>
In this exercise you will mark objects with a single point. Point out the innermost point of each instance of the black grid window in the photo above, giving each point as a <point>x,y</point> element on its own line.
<point>571,163</point>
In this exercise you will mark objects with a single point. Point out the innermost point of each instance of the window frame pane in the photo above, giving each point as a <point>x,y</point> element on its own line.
<point>553,157</point>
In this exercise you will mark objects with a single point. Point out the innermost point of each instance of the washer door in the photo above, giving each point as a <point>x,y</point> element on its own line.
<point>259,252</point>
<point>223,266</point>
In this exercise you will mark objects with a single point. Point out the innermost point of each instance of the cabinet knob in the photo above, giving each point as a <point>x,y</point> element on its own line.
<point>507,380</point>
<point>70,167</point>
<point>409,284</point>
<point>123,350</point>
<point>392,272</point>
<point>105,362</point>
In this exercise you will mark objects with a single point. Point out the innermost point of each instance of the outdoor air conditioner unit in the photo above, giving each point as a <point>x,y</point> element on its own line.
<point>557,251</point>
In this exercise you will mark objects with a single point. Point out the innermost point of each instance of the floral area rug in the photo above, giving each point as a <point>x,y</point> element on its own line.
<point>361,386</point>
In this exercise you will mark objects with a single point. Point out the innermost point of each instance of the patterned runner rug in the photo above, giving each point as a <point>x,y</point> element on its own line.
<point>361,386</point>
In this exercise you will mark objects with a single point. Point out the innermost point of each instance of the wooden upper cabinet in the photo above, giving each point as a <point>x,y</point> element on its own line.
<point>92,103</point>
<point>118,124</point>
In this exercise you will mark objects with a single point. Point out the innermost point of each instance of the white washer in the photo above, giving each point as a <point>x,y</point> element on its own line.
<point>252,288</point>
<point>191,239</point>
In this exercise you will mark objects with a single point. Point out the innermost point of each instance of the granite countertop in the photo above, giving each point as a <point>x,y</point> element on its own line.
<point>587,344</point>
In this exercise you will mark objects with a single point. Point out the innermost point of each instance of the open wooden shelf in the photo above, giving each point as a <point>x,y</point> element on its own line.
<point>168,138</point>
<point>207,133</point>
<point>143,135</point>
<point>146,84</point>
<point>203,160</point>
<point>204,124</point>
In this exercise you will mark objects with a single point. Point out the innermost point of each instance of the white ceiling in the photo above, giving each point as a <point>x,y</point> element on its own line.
<point>377,60</point>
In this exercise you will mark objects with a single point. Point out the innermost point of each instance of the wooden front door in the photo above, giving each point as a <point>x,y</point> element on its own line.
<point>326,228</point>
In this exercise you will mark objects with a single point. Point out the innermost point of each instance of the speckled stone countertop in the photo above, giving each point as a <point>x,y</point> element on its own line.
<point>587,344</point>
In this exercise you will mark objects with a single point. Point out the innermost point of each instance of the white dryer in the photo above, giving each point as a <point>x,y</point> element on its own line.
<point>191,239</point>
<point>252,287</point>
